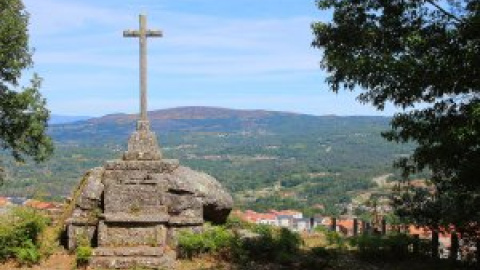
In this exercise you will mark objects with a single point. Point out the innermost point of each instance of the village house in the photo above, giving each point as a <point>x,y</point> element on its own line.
<point>289,219</point>
<point>301,224</point>
<point>285,221</point>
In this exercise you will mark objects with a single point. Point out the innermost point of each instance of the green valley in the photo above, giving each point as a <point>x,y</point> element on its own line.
<point>266,159</point>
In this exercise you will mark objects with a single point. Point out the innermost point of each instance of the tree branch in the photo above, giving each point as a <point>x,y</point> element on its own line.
<point>441,9</point>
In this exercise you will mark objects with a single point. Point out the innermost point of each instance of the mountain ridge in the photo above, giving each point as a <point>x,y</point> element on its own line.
<point>208,112</point>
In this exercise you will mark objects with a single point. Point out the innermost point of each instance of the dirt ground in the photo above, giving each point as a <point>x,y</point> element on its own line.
<point>64,261</point>
<point>59,261</point>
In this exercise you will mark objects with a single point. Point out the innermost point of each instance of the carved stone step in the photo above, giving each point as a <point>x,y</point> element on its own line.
<point>166,261</point>
<point>129,251</point>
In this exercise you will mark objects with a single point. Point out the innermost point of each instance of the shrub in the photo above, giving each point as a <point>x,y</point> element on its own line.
<point>335,239</point>
<point>272,245</point>
<point>20,229</point>
<point>213,240</point>
<point>28,254</point>
<point>236,223</point>
<point>376,247</point>
<point>83,254</point>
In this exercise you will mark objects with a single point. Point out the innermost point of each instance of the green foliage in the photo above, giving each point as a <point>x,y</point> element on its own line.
<point>83,254</point>
<point>23,116</point>
<point>377,247</point>
<point>28,254</point>
<point>19,234</point>
<point>412,53</point>
<point>236,223</point>
<point>84,251</point>
<point>213,240</point>
<point>336,240</point>
<point>272,245</point>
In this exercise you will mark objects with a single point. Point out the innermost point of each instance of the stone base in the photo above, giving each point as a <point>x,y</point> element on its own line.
<point>142,144</point>
<point>132,257</point>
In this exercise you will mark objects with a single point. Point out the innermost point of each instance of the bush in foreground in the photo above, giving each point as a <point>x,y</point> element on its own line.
<point>213,240</point>
<point>19,235</point>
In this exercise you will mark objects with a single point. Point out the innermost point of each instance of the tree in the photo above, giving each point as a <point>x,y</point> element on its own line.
<point>23,115</point>
<point>422,56</point>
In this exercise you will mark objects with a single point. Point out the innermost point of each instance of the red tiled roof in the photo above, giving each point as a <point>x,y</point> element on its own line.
<point>285,212</point>
<point>3,201</point>
<point>39,205</point>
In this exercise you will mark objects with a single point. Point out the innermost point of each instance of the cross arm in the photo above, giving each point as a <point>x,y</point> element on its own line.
<point>154,33</point>
<point>131,33</point>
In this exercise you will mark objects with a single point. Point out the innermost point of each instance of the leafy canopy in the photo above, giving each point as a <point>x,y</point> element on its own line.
<point>23,115</point>
<point>411,53</point>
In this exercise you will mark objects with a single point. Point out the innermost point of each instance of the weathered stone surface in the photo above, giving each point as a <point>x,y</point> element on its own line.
<point>134,199</point>
<point>166,261</point>
<point>132,218</point>
<point>185,221</point>
<point>129,234</point>
<point>217,202</point>
<point>92,192</point>
<point>139,251</point>
<point>152,166</point>
<point>178,203</point>
<point>142,144</point>
<point>82,232</point>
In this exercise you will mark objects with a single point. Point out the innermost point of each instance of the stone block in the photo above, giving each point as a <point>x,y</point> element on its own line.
<point>166,262</point>
<point>78,233</point>
<point>143,145</point>
<point>130,234</point>
<point>134,199</point>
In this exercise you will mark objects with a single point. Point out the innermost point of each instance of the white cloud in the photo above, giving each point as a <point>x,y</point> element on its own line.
<point>50,17</point>
<point>193,44</point>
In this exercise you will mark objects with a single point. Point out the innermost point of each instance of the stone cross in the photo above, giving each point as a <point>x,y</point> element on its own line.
<point>142,34</point>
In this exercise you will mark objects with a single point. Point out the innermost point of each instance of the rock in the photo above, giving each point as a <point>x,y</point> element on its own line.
<point>217,202</point>
<point>92,192</point>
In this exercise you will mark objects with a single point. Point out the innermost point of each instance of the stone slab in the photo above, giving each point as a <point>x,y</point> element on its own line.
<point>185,221</point>
<point>130,234</point>
<point>135,177</point>
<point>130,251</point>
<point>129,218</point>
<point>166,262</point>
<point>158,166</point>
<point>134,199</point>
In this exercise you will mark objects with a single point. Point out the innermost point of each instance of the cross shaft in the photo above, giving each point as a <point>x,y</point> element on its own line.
<point>142,34</point>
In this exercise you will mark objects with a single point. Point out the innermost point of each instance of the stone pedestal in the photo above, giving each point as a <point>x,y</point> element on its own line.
<point>142,144</point>
<point>131,209</point>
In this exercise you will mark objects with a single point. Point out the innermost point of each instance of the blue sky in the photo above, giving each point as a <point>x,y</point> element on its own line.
<point>245,54</point>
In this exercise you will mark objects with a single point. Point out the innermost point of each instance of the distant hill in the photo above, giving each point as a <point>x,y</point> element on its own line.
<point>210,119</point>
<point>64,119</point>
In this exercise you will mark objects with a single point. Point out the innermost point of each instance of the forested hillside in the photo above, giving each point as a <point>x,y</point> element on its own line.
<point>266,159</point>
